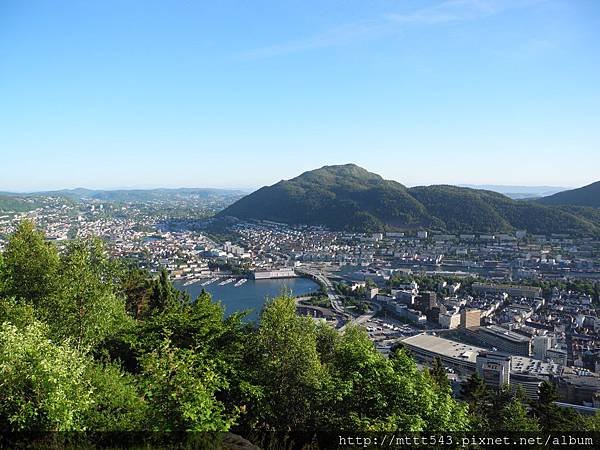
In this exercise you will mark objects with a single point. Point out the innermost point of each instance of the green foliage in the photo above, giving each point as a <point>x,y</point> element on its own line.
<point>585,196</point>
<point>476,394</point>
<point>513,417</point>
<point>180,386</point>
<point>42,384</point>
<point>341,197</point>
<point>287,367</point>
<point>30,265</point>
<point>87,343</point>
<point>439,375</point>
<point>550,416</point>
<point>85,307</point>
<point>372,392</point>
<point>163,294</point>
<point>11,203</point>
<point>118,405</point>
<point>350,198</point>
<point>136,287</point>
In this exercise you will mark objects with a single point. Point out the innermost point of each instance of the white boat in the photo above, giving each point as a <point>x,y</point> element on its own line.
<point>240,282</point>
<point>212,280</point>
<point>227,281</point>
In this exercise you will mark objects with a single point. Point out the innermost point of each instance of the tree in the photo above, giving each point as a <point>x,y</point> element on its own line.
<point>545,408</point>
<point>496,402</point>
<point>475,393</point>
<point>164,295</point>
<point>136,287</point>
<point>84,306</point>
<point>118,404</point>
<point>438,373</point>
<point>286,365</point>
<point>30,265</point>
<point>2,275</point>
<point>180,386</point>
<point>42,384</point>
<point>513,417</point>
<point>372,392</point>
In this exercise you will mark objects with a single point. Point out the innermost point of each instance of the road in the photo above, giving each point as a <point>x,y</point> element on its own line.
<point>334,299</point>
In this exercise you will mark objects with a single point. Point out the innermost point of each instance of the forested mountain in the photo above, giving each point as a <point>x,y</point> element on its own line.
<point>584,196</point>
<point>341,197</point>
<point>348,197</point>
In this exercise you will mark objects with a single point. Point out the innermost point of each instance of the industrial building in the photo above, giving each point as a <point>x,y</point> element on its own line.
<point>463,359</point>
<point>505,340</point>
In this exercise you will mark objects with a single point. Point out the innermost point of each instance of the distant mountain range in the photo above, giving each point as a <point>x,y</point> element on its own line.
<point>348,197</point>
<point>129,195</point>
<point>518,192</point>
<point>18,202</point>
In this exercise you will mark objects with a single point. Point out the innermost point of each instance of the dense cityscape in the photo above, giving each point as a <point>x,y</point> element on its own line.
<point>516,308</point>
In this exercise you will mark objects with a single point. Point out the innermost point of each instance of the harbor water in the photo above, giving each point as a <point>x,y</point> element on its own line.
<point>250,295</point>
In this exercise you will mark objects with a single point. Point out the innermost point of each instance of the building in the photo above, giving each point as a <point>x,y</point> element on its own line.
<point>541,345</point>
<point>494,368</point>
<point>433,315</point>
<point>577,386</point>
<point>371,293</point>
<point>557,355</point>
<point>426,301</point>
<point>455,355</point>
<point>449,320</point>
<point>505,340</point>
<point>410,314</point>
<point>525,372</point>
<point>280,273</point>
<point>470,318</point>
<point>515,291</point>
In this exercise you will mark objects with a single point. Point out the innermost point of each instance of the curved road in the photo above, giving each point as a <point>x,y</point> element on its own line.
<point>334,298</point>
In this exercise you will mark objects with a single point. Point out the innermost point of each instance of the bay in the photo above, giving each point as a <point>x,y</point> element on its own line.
<point>251,295</point>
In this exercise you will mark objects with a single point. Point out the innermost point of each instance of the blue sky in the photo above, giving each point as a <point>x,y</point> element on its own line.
<point>126,93</point>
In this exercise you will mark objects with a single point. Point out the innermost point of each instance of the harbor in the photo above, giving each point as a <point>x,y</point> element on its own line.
<point>247,294</point>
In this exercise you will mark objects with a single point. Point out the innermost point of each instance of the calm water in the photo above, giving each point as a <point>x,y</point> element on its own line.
<point>250,295</point>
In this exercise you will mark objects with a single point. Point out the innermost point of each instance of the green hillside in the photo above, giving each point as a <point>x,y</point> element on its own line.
<point>585,196</point>
<point>348,197</point>
<point>341,197</point>
<point>9,203</point>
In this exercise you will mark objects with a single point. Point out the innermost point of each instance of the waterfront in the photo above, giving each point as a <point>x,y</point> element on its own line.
<point>252,294</point>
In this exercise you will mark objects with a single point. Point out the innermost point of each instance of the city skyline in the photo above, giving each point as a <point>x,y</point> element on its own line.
<point>146,95</point>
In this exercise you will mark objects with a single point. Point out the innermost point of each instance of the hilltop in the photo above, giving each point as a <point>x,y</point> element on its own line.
<point>348,197</point>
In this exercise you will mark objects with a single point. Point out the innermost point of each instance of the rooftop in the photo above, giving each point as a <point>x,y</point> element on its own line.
<point>504,333</point>
<point>465,352</point>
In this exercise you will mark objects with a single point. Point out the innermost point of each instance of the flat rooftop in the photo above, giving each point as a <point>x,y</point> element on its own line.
<point>465,352</point>
<point>503,333</point>
<point>444,347</point>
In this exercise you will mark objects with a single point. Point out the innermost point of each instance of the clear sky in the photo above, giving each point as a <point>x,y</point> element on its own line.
<point>144,93</point>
